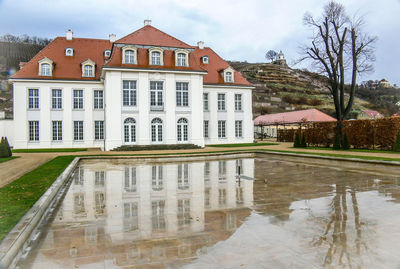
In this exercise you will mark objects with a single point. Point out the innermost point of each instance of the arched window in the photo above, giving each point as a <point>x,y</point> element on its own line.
<point>88,70</point>
<point>129,57</point>
<point>45,69</point>
<point>156,58</point>
<point>228,77</point>
<point>181,59</point>
<point>182,130</point>
<point>129,130</point>
<point>156,130</point>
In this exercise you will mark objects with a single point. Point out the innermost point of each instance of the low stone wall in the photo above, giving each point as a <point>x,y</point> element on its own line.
<point>7,129</point>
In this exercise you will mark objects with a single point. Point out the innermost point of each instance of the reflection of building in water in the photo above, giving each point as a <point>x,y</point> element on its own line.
<point>189,205</point>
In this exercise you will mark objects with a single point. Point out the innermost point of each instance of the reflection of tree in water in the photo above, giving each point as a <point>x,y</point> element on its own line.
<point>344,247</point>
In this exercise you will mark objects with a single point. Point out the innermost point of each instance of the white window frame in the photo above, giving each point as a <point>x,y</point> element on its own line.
<point>98,99</point>
<point>156,130</point>
<point>129,93</point>
<point>57,130</point>
<point>129,56</point>
<point>99,130</point>
<point>221,101</point>
<point>88,63</point>
<point>155,62</point>
<point>206,101</point>
<point>78,102</point>
<point>206,130</point>
<point>34,131</point>
<point>238,128</point>
<point>34,98</point>
<point>182,129</point>
<point>238,102</point>
<point>78,131</point>
<point>182,94</point>
<point>130,131</point>
<point>43,61</point>
<point>221,129</point>
<point>181,57</point>
<point>56,99</point>
<point>229,75</point>
<point>129,48</point>
<point>157,95</point>
<point>69,52</point>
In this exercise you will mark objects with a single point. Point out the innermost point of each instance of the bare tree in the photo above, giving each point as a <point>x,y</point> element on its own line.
<point>271,55</point>
<point>340,50</point>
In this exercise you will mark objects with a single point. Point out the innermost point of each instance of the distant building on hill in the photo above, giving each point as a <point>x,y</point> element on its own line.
<point>370,114</point>
<point>375,84</point>
<point>280,60</point>
<point>384,83</point>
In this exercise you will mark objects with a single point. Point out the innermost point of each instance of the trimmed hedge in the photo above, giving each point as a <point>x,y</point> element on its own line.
<point>361,134</point>
<point>156,147</point>
<point>5,150</point>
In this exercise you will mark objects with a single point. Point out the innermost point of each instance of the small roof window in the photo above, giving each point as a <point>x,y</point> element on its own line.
<point>107,53</point>
<point>69,52</point>
<point>204,59</point>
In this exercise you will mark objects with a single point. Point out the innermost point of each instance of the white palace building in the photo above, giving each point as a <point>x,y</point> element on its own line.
<point>145,88</point>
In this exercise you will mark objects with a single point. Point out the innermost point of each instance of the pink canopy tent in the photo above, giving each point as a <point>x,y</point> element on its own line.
<point>293,117</point>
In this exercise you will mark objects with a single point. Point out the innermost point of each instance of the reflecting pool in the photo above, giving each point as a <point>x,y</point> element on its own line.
<point>195,213</point>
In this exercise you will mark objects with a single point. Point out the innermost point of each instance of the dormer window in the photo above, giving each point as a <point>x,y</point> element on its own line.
<point>45,67</point>
<point>228,77</point>
<point>69,52</point>
<point>129,55</point>
<point>156,56</point>
<point>181,57</point>
<point>88,68</point>
<point>107,53</point>
<point>45,70</point>
<point>204,59</point>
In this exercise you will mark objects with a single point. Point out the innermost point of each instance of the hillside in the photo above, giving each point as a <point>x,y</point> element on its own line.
<point>280,89</point>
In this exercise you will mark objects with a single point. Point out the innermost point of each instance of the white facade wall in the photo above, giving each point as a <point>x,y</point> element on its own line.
<point>115,113</point>
<point>7,130</point>
<point>229,115</point>
<point>45,114</point>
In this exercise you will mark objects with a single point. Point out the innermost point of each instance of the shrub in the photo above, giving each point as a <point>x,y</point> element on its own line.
<point>296,143</point>
<point>345,142</point>
<point>303,141</point>
<point>396,146</point>
<point>8,147</point>
<point>3,149</point>
<point>336,142</point>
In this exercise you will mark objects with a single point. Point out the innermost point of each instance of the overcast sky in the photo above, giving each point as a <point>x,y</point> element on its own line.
<point>237,30</point>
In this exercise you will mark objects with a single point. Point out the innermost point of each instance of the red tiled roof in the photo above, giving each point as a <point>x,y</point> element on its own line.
<point>143,61</point>
<point>372,113</point>
<point>301,116</point>
<point>67,67</point>
<point>215,65</point>
<point>151,36</point>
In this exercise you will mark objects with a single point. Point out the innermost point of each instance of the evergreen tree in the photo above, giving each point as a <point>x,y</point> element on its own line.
<point>296,140</point>
<point>7,145</point>
<point>345,142</point>
<point>303,141</point>
<point>3,150</point>
<point>336,143</point>
<point>396,146</point>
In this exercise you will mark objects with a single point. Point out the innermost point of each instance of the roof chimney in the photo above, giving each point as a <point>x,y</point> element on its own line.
<point>68,34</point>
<point>200,44</point>
<point>147,22</point>
<point>112,37</point>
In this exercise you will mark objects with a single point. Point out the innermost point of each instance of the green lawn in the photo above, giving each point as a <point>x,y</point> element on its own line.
<point>241,145</point>
<point>2,160</point>
<point>49,150</point>
<point>19,196</point>
<point>355,150</point>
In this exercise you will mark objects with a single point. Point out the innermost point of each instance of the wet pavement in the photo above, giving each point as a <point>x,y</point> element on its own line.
<point>197,214</point>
